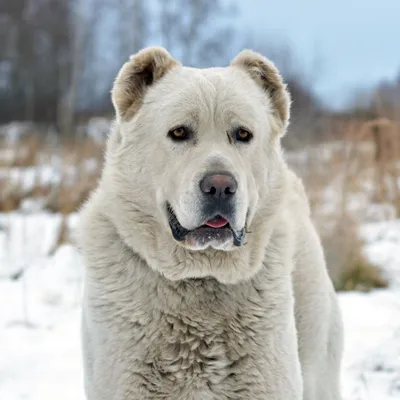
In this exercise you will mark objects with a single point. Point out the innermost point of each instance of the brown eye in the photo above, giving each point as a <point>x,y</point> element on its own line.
<point>180,133</point>
<point>242,135</point>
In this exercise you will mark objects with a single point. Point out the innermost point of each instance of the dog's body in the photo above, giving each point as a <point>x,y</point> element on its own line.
<point>205,278</point>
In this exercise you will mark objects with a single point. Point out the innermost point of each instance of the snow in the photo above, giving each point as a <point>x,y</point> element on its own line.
<point>30,177</point>
<point>40,292</point>
<point>39,335</point>
<point>371,366</point>
<point>41,175</point>
<point>42,363</point>
<point>372,322</point>
<point>383,247</point>
<point>14,131</point>
<point>26,237</point>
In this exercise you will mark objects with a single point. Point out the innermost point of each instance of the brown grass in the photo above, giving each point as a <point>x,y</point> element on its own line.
<point>383,136</point>
<point>354,170</point>
<point>65,196</point>
<point>347,265</point>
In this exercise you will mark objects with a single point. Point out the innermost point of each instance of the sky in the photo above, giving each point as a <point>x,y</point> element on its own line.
<point>348,44</point>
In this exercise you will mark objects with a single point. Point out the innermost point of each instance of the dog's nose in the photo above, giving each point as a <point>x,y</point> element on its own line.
<point>219,185</point>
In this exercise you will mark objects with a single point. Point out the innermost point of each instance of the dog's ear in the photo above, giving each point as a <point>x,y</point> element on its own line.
<point>142,70</point>
<point>265,74</point>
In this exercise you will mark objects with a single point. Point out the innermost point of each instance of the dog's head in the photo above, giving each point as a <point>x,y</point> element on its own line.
<point>196,152</point>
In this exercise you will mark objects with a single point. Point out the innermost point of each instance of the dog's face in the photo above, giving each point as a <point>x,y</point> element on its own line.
<point>207,159</point>
<point>197,147</point>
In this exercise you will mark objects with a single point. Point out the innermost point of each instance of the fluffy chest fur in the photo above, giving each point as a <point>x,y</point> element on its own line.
<point>188,354</point>
<point>196,339</point>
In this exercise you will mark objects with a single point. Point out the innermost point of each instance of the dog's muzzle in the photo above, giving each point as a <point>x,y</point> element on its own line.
<point>216,229</point>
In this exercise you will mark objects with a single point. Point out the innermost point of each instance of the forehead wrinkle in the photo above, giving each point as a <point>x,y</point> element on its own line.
<point>192,101</point>
<point>218,97</point>
<point>232,108</point>
<point>208,96</point>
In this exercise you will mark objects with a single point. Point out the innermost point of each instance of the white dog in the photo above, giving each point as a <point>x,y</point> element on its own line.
<point>205,278</point>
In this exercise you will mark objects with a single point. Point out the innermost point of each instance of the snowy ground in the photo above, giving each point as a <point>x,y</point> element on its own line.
<point>39,315</point>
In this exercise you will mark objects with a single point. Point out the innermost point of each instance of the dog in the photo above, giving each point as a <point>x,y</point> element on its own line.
<point>204,276</point>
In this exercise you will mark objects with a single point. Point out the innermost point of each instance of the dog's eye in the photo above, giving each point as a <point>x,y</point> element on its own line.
<point>180,133</point>
<point>243,135</point>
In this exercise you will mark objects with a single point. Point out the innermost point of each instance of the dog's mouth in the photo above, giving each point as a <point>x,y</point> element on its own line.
<point>215,229</point>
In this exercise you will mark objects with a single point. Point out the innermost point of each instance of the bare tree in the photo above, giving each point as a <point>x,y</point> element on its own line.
<point>198,31</point>
<point>133,29</point>
<point>57,56</point>
<point>67,103</point>
<point>38,56</point>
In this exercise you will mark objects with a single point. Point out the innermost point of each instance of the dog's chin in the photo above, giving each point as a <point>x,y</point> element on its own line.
<point>223,238</point>
<point>203,237</point>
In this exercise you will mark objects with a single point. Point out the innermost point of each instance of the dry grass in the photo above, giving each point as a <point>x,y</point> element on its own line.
<point>60,175</point>
<point>347,266</point>
<point>342,182</point>
<point>383,160</point>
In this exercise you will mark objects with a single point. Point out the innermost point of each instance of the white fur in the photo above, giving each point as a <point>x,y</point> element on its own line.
<point>169,320</point>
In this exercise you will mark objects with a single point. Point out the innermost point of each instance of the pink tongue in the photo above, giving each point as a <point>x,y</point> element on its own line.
<point>217,222</point>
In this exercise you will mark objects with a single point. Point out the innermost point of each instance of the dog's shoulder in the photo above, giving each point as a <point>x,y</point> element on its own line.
<point>297,198</point>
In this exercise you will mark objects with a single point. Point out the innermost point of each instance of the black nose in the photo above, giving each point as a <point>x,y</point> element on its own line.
<point>219,185</point>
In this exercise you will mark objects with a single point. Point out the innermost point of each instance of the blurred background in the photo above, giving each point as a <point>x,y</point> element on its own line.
<point>58,59</point>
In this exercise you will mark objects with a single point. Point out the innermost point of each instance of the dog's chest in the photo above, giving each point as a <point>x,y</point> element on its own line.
<point>204,357</point>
